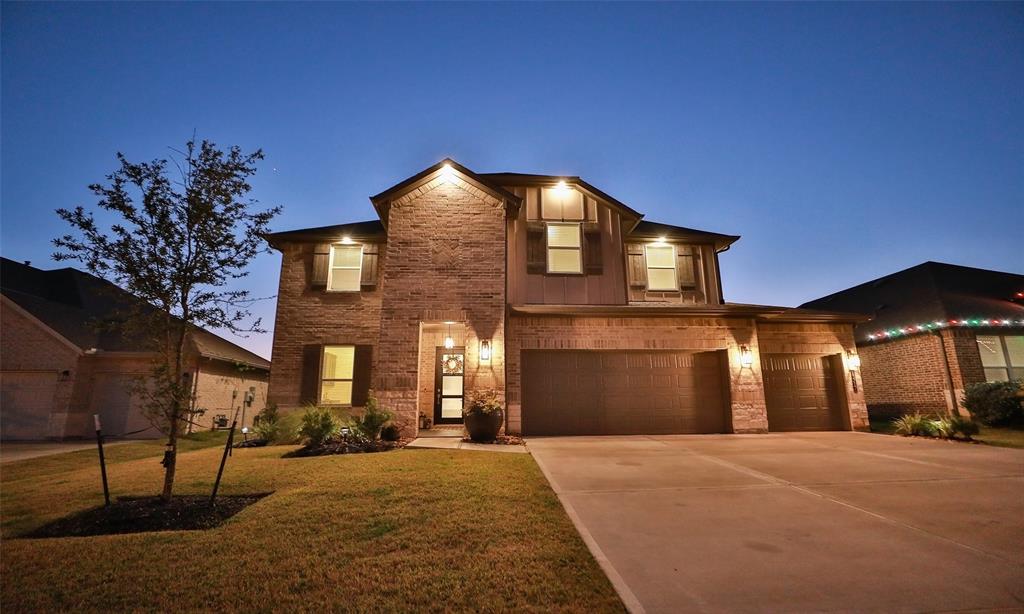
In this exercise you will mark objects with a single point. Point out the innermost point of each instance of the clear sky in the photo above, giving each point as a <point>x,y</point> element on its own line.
<point>843,141</point>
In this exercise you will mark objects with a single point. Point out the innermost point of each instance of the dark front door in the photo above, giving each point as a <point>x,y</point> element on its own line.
<point>448,380</point>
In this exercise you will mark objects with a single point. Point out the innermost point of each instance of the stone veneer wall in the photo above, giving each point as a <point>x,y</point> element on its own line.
<point>445,260</point>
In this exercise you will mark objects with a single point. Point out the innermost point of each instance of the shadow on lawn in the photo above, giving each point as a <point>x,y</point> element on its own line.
<point>145,514</point>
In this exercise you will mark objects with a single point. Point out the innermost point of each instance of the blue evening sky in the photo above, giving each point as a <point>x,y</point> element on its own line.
<point>843,141</point>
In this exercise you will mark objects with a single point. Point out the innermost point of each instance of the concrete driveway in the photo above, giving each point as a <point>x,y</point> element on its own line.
<point>796,522</point>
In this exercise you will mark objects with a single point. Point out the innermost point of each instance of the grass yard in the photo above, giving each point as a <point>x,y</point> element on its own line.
<point>404,530</point>
<point>991,435</point>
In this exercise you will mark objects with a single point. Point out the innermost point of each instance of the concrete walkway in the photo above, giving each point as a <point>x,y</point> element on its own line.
<point>796,522</point>
<point>456,443</point>
<point>11,451</point>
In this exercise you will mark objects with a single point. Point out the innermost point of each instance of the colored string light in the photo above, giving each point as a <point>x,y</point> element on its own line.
<point>900,331</point>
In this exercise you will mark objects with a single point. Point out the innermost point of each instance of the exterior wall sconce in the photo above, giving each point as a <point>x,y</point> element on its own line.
<point>853,360</point>
<point>485,350</point>
<point>746,356</point>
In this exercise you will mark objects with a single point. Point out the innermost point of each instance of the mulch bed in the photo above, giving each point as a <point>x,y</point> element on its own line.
<point>145,514</point>
<point>347,446</point>
<point>502,440</point>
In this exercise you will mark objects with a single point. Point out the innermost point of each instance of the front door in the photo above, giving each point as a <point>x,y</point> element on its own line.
<point>450,370</point>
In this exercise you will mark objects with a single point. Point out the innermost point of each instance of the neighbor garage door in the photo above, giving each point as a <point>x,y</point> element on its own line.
<point>27,399</point>
<point>622,393</point>
<point>801,393</point>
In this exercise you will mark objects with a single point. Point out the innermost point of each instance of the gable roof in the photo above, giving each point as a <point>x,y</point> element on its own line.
<point>548,180</point>
<point>75,304</point>
<point>650,230</point>
<point>930,292</point>
<point>381,201</point>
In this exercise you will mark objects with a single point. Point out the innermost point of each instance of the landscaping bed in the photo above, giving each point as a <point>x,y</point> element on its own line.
<point>347,445</point>
<point>144,514</point>
<point>501,440</point>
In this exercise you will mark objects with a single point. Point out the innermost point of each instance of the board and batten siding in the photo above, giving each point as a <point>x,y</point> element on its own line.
<point>700,259</point>
<point>607,287</point>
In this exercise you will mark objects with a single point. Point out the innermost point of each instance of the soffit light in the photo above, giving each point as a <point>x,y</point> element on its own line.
<point>448,173</point>
<point>347,241</point>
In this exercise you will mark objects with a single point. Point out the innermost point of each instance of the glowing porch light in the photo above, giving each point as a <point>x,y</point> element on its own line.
<point>746,356</point>
<point>347,241</point>
<point>853,360</point>
<point>485,350</point>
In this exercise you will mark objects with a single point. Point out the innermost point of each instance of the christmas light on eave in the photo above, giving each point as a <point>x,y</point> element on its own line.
<point>898,331</point>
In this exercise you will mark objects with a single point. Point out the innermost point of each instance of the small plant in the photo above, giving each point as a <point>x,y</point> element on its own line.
<point>483,402</point>
<point>914,424</point>
<point>268,423</point>
<point>391,432</point>
<point>995,403</point>
<point>371,421</point>
<point>318,425</point>
<point>964,427</point>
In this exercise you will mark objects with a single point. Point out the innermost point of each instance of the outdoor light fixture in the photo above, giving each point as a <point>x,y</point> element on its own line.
<point>449,343</point>
<point>562,185</point>
<point>347,241</point>
<point>448,173</point>
<point>485,350</point>
<point>746,356</point>
<point>853,360</point>
<point>245,433</point>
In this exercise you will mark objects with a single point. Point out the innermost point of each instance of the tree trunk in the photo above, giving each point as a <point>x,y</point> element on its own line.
<point>171,454</point>
<point>171,458</point>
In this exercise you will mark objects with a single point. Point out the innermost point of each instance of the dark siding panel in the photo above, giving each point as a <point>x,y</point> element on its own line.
<point>318,273</point>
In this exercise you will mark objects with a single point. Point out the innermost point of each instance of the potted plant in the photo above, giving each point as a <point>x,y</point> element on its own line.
<point>483,415</point>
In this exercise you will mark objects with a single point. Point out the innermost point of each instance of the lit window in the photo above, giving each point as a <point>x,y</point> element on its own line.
<point>1002,357</point>
<point>565,253</point>
<point>661,268</point>
<point>337,365</point>
<point>346,268</point>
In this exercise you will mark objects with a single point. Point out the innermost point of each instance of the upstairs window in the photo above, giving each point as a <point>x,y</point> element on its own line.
<point>661,268</point>
<point>565,248</point>
<point>337,365</point>
<point>345,269</point>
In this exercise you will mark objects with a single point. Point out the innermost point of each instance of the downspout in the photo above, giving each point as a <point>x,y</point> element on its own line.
<point>949,372</point>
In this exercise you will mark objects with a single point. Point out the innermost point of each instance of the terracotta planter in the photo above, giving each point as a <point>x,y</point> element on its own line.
<point>484,427</point>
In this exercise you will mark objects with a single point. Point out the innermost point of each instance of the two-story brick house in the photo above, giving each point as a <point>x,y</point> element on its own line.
<point>583,317</point>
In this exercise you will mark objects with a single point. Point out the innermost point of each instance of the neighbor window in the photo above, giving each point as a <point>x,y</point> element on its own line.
<point>661,268</point>
<point>337,366</point>
<point>565,253</point>
<point>1002,356</point>
<point>346,268</point>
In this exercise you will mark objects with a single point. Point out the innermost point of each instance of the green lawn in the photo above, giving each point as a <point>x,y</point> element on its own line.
<point>404,530</point>
<point>991,435</point>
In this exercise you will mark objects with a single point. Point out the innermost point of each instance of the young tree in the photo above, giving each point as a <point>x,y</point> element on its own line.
<point>176,245</point>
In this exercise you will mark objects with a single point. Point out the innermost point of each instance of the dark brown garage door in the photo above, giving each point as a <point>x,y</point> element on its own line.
<point>622,393</point>
<point>801,393</point>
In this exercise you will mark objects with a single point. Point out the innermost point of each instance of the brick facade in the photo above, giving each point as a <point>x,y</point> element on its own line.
<point>909,375</point>
<point>444,261</point>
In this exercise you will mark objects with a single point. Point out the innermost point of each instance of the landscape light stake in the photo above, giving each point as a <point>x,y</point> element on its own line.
<point>224,458</point>
<point>103,461</point>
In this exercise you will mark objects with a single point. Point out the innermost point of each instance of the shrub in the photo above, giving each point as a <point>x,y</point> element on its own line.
<point>372,420</point>
<point>995,403</point>
<point>268,424</point>
<point>391,432</point>
<point>482,402</point>
<point>914,424</point>
<point>965,427</point>
<point>318,425</point>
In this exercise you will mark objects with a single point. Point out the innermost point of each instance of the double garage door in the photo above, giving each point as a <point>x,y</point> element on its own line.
<point>623,393</point>
<point>664,392</point>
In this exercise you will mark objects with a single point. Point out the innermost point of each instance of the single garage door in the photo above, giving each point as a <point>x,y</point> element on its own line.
<point>622,392</point>
<point>26,398</point>
<point>801,393</point>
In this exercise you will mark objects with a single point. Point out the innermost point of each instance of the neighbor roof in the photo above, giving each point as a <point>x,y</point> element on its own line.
<point>930,292</point>
<point>76,305</point>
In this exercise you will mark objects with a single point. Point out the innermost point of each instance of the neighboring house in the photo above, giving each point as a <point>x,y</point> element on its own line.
<point>584,318</point>
<point>935,329</point>
<point>58,366</point>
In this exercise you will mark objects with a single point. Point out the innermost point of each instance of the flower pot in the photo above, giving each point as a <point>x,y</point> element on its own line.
<point>483,427</point>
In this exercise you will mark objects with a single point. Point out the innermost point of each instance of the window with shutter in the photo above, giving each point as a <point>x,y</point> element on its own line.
<point>371,256</point>
<point>661,267</point>
<point>564,248</point>
<point>337,367</point>
<point>345,271</point>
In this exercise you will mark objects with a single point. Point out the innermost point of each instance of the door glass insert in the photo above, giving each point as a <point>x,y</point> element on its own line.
<point>451,366</point>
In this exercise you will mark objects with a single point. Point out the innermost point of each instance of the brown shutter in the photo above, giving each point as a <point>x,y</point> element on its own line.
<point>370,258</point>
<point>592,257</point>
<point>309,392</point>
<point>361,373</point>
<point>636,265</point>
<point>321,257</point>
<point>536,256</point>
<point>684,264</point>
